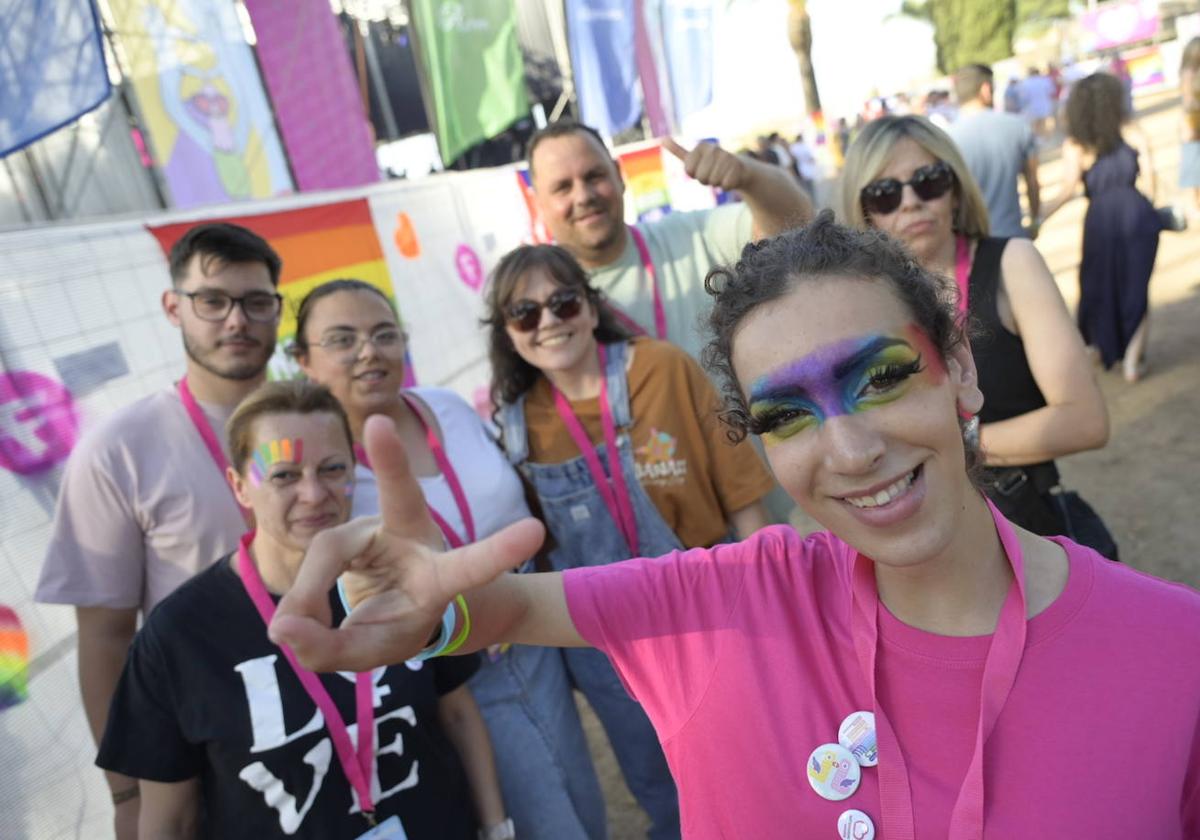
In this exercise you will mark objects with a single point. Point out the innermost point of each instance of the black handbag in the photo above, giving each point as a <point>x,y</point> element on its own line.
<point>1084,525</point>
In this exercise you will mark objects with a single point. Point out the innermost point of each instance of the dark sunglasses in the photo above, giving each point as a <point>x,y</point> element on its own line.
<point>929,182</point>
<point>524,315</point>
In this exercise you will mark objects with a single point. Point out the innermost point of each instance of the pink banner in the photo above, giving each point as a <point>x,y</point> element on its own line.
<point>312,87</point>
<point>1120,23</point>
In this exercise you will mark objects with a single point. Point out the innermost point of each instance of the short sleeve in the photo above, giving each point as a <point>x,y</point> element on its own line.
<point>661,622</point>
<point>726,231</point>
<point>738,474</point>
<point>449,672</point>
<point>143,738</point>
<point>96,554</point>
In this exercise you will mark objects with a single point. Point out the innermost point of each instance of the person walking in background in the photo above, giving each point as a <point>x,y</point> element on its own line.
<point>806,164</point>
<point>144,504</point>
<point>1109,155</point>
<point>211,715</point>
<point>1038,103</point>
<point>349,338</point>
<point>1189,153</point>
<point>905,177</point>
<point>621,444</point>
<point>998,148</point>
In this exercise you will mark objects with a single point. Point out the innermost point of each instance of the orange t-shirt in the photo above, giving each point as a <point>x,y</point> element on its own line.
<point>684,461</point>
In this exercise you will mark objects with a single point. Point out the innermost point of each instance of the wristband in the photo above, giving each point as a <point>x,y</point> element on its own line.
<point>466,628</point>
<point>449,618</point>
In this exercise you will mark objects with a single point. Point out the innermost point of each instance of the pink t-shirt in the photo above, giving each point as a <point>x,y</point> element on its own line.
<point>743,658</point>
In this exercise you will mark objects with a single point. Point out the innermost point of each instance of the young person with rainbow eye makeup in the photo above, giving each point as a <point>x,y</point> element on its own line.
<point>349,338</point>
<point>229,736</point>
<point>905,177</point>
<point>923,666</point>
<point>572,388</point>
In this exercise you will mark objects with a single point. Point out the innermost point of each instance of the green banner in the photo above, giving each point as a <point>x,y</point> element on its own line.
<point>473,69</point>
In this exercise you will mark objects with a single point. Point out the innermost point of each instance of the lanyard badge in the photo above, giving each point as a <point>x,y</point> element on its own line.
<point>660,315</point>
<point>196,415</point>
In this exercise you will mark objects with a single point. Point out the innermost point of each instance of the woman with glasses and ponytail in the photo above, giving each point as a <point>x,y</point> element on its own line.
<point>905,177</point>
<point>349,339</point>
<point>620,440</point>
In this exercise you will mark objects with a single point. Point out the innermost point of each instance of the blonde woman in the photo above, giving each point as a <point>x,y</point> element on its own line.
<point>905,177</point>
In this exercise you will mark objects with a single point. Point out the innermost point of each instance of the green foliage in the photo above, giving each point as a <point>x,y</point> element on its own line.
<point>972,31</point>
<point>1041,11</point>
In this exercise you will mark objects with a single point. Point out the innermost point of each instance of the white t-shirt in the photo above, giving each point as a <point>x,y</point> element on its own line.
<point>143,507</point>
<point>491,485</point>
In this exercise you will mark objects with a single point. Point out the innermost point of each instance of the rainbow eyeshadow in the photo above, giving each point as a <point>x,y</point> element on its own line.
<point>273,452</point>
<point>846,377</point>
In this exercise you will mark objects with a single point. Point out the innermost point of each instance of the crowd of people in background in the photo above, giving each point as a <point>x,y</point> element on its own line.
<point>236,520</point>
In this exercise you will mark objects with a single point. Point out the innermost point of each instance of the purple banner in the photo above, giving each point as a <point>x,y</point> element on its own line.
<point>312,86</point>
<point>1120,23</point>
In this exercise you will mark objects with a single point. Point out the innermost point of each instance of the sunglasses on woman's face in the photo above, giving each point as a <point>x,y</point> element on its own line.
<point>524,315</point>
<point>929,182</point>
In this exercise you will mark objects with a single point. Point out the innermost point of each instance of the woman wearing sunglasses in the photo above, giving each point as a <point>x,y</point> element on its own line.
<point>620,440</point>
<point>349,339</point>
<point>230,736</point>
<point>923,669</point>
<point>905,177</point>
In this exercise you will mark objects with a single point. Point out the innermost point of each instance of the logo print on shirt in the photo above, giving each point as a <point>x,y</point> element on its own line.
<point>655,462</point>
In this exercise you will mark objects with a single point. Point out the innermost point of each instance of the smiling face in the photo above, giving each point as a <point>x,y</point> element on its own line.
<point>235,347</point>
<point>580,195</point>
<point>367,377</point>
<point>556,344</point>
<point>860,414</point>
<point>300,478</point>
<point>924,226</point>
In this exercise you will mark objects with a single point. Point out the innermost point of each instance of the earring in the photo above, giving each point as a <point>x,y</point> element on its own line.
<point>970,430</point>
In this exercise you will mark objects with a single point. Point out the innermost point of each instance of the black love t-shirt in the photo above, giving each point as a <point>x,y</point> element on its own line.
<point>205,694</point>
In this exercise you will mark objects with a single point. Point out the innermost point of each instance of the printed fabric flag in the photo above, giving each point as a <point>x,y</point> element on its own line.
<point>52,68</point>
<point>601,36</point>
<point>317,103</point>
<point>201,100</point>
<point>475,73</point>
<point>316,244</point>
<point>687,37</point>
<point>14,659</point>
<point>646,181</point>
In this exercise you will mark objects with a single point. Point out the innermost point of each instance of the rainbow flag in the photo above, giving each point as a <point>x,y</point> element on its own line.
<point>317,244</point>
<point>14,659</point>
<point>647,182</point>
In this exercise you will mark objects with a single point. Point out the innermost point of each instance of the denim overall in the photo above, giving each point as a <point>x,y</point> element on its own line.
<point>587,535</point>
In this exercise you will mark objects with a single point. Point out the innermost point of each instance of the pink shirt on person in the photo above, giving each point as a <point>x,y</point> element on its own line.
<point>743,658</point>
<point>142,508</point>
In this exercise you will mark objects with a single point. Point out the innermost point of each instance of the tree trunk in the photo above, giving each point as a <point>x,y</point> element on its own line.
<point>800,37</point>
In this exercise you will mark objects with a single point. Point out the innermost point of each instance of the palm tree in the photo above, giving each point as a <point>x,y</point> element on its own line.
<point>800,37</point>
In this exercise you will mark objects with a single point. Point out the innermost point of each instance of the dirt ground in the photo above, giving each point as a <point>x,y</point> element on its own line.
<point>1144,482</point>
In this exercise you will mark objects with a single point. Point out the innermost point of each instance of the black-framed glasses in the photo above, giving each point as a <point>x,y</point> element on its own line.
<point>213,305</point>
<point>348,343</point>
<point>524,315</point>
<point>929,182</point>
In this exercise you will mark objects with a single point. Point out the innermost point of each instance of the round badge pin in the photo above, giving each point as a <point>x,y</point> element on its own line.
<point>833,772</point>
<point>855,825</point>
<point>857,734</point>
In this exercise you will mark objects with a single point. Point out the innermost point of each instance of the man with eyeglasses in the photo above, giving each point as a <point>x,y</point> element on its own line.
<point>144,503</point>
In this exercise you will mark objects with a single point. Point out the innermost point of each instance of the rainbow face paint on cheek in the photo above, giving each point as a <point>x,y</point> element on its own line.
<point>842,378</point>
<point>273,452</point>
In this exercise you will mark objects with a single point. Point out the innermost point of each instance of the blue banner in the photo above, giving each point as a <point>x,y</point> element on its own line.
<point>52,68</point>
<point>601,38</point>
<point>687,37</point>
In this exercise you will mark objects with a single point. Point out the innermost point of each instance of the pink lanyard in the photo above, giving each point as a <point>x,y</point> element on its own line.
<point>613,490</point>
<point>357,766</point>
<point>444,466</point>
<point>660,315</point>
<point>962,273</point>
<point>196,415</point>
<point>999,674</point>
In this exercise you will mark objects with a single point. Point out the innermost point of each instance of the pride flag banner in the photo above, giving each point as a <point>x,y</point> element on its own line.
<point>317,244</point>
<point>14,659</point>
<point>646,181</point>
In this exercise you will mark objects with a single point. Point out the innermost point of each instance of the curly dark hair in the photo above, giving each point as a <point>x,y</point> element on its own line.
<point>512,376</point>
<point>1096,112</point>
<point>771,268</point>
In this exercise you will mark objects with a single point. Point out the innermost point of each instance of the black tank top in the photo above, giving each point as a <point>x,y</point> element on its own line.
<point>1008,386</point>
